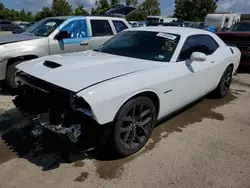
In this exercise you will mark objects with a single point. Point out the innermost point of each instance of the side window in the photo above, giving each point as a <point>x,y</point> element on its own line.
<point>101,28</point>
<point>119,25</point>
<point>198,43</point>
<point>77,28</point>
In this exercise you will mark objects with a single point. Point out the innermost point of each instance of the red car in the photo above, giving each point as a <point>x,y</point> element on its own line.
<point>239,35</point>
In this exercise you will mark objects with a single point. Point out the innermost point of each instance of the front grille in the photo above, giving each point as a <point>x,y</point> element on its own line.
<point>58,97</point>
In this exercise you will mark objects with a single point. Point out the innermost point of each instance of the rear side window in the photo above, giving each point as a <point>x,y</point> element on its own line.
<point>101,28</point>
<point>198,43</point>
<point>119,25</point>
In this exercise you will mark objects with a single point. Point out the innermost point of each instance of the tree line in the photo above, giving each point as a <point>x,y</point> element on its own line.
<point>63,8</point>
<point>194,10</point>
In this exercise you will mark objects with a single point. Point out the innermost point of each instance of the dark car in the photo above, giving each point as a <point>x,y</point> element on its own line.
<point>239,35</point>
<point>176,24</point>
<point>8,26</point>
<point>25,25</point>
<point>19,31</point>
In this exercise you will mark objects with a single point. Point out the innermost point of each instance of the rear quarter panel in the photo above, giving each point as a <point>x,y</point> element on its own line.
<point>235,57</point>
<point>225,57</point>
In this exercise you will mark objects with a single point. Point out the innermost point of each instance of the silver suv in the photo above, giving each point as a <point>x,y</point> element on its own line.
<point>55,35</point>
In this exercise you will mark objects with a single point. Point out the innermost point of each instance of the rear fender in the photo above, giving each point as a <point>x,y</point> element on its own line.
<point>236,56</point>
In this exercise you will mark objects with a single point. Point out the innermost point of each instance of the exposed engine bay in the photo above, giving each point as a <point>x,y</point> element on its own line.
<point>53,107</point>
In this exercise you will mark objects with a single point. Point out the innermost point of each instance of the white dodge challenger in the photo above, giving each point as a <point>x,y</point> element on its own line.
<point>130,82</point>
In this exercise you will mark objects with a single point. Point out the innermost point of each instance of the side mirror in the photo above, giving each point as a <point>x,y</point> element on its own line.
<point>198,56</point>
<point>62,35</point>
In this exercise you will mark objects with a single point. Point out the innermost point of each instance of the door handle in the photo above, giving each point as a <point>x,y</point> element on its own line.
<point>212,61</point>
<point>84,43</point>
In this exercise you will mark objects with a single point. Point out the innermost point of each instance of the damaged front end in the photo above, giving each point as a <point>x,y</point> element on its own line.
<point>54,108</point>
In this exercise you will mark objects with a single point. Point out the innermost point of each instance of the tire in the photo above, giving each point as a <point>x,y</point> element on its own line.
<point>224,85</point>
<point>133,126</point>
<point>10,75</point>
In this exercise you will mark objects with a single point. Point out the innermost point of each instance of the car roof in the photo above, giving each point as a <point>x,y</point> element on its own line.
<point>183,31</point>
<point>101,17</point>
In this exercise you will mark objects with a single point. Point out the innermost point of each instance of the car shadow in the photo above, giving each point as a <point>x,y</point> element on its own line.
<point>49,151</point>
<point>4,92</point>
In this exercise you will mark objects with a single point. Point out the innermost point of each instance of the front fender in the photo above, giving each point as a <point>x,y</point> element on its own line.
<point>20,52</point>
<point>106,98</point>
<point>5,60</point>
<point>104,108</point>
<point>12,51</point>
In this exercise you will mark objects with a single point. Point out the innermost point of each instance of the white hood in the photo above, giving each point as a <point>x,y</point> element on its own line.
<point>76,71</point>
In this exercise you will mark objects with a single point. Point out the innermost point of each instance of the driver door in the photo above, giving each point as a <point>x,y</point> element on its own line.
<point>78,41</point>
<point>198,78</point>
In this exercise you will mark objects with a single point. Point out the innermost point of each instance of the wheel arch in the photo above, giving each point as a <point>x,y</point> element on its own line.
<point>231,65</point>
<point>21,58</point>
<point>151,94</point>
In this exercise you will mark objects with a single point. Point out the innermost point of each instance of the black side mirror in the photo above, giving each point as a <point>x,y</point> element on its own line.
<point>62,35</point>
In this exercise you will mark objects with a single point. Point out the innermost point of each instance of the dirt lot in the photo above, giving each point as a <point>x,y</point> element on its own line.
<point>208,145</point>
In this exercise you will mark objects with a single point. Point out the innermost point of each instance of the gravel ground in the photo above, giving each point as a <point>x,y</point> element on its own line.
<point>205,146</point>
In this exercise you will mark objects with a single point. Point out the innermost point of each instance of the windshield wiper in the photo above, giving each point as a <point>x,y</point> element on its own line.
<point>27,33</point>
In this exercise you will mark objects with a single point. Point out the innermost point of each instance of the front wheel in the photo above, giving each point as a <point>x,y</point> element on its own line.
<point>133,126</point>
<point>10,75</point>
<point>225,83</point>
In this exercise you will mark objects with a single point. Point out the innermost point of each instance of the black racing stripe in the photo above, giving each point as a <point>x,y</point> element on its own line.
<point>165,92</point>
<point>107,80</point>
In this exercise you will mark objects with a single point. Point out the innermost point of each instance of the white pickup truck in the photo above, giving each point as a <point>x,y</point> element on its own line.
<point>55,35</point>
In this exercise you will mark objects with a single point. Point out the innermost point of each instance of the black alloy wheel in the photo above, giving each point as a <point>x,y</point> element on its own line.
<point>225,83</point>
<point>134,125</point>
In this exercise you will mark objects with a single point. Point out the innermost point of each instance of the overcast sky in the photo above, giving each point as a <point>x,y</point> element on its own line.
<point>167,6</point>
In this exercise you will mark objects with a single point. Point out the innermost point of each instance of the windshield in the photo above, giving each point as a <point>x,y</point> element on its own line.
<point>154,46</point>
<point>44,27</point>
<point>240,27</point>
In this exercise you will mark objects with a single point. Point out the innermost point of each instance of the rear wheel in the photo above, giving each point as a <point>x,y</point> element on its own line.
<point>133,126</point>
<point>225,83</point>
